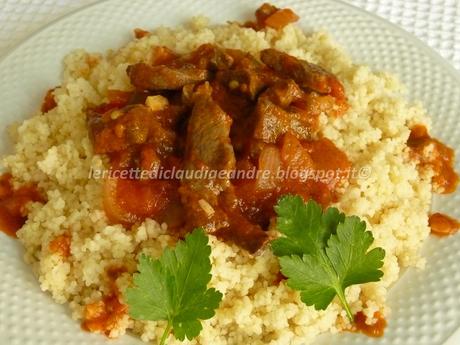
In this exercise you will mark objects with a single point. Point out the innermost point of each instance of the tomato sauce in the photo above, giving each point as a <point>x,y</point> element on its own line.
<point>104,315</point>
<point>279,278</point>
<point>13,202</point>
<point>435,155</point>
<point>323,165</point>
<point>61,245</point>
<point>375,330</point>
<point>49,102</point>
<point>116,99</point>
<point>270,16</point>
<point>442,225</point>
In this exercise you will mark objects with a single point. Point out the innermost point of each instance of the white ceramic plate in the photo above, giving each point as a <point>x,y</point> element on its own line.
<point>426,304</point>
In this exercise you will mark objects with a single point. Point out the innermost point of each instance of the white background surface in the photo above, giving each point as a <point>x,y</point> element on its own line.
<point>436,22</point>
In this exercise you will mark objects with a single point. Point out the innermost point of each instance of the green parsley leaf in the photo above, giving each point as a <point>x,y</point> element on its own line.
<point>304,225</point>
<point>322,254</point>
<point>174,288</point>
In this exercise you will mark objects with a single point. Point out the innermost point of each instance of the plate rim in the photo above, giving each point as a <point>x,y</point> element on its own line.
<point>434,54</point>
<point>423,45</point>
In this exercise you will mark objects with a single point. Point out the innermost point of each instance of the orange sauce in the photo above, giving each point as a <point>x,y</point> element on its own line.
<point>127,201</point>
<point>12,204</point>
<point>318,158</point>
<point>140,33</point>
<point>49,102</point>
<point>61,245</point>
<point>328,158</point>
<point>435,155</point>
<point>281,18</point>
<point>279,278</point>
<point>116,99</point>
<point>114,272</point>
<point>270,16</point>
<point>104,315</point>
<point>442,225</point>
<point>375,330</point>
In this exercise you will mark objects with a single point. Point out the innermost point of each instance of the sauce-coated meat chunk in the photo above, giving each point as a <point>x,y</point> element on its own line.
<point>283,108</point>
<point>132,125</point>
<point>307,75</point>
<point>209,201</point>
<point>161,77</point>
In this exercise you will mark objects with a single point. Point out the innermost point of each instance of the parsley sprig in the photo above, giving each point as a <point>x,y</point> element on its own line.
<point>174,288</point>
<point>321,254</point>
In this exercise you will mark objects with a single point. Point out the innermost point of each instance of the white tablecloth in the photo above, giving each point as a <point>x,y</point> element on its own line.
<point>436,22</point>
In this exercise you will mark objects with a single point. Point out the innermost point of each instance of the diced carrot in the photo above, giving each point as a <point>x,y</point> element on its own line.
<point>262,13</point>
<point>281,18</point>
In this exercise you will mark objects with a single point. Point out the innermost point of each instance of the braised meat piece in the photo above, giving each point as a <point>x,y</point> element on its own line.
<point>209,57</point>
<point>241,230</point>
<point>309,76</point>
<point>208,147</point>
<point>277,113</point>
<point>208,141</point>
<point>246,81</point>
<point>247,76</point>
<point>119,129</point>
<point>209,201</point>
<point>161,77</point>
